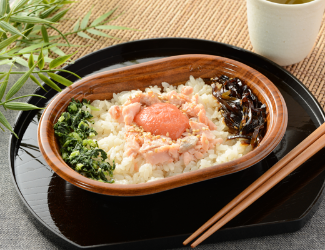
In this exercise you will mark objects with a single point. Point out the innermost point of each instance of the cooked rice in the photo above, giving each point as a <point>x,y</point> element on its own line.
<point>111,138</point>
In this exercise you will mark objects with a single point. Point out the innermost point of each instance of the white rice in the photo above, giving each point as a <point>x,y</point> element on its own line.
<point>111,138</point>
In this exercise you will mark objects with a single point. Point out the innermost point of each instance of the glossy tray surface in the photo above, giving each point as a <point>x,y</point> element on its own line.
<point>83,219</point>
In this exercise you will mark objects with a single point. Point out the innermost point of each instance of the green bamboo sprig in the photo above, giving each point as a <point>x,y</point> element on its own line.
<point>24,33</point>
<point>94,28</point>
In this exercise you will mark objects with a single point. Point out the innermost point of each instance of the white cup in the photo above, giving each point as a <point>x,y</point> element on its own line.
<point>284,33</point>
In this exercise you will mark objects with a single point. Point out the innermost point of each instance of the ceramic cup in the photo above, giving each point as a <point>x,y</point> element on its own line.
<point>284,33</point>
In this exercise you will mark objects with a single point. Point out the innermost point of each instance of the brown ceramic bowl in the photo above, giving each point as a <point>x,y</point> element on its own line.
<point>174,70</point>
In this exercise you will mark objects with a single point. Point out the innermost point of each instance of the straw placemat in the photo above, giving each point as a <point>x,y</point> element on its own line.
<point>216,20</point>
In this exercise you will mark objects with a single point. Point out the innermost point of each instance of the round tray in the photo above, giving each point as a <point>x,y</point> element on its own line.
<point>81,219</point>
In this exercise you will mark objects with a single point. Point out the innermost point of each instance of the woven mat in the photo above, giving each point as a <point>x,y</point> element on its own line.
<point>216,20</point>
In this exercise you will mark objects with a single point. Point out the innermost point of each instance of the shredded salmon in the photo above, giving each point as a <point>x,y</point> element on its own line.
<point>158,127</point>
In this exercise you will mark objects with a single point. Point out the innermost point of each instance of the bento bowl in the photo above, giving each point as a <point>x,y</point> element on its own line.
<point>175,70</point>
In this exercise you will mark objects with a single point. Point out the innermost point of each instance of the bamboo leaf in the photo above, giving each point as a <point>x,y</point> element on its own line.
<point>8,7</point>
<point>58,16</point>
<point>60,60</point>
<point>98,20</point>
<point>112,19</point>
<point>32,47</point>
<point>48,12</point>
<point>63,36</point>
<point>6,61</point>
<point>76,26</point>
<point>29,28</point>
<point>84,35</point>
<point>45,34</point>
<point>112,27</point>
<point>45,52</point>
<point>29,19</point>
<point>20,106</point>
<point>30,61</point>
<point>99,33</point>
<point>34,79</point>
<point>60,79</point>
<point>11,51</point>
<point>49,82</point>
<point>31,42</point>
<point>36,29</point>
<point>57,51</point>
<point>71,45</point>
<point>67,2</point>
<point>23,96</point>
<point>3,7</point>
<point>20,4</point>
<point>21,81</point>
<point>5,123</point>
<point>4,84</point>
<point>40,60</point>
<point>70,72</point>
<point>6,26</point>
<point>85,20</point>
<point>48,59</point>
<point>21,61</point>
<point>8,41</point>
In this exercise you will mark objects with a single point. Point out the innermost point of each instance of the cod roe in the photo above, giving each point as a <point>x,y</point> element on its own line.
<point>163,119</point>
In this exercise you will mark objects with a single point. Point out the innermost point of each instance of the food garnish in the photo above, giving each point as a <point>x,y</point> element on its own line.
<point>163,119</point>
<point>78,150</point>
<point>243,113</point>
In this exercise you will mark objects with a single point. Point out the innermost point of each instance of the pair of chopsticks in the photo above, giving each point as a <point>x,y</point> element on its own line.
<point>297,156</point>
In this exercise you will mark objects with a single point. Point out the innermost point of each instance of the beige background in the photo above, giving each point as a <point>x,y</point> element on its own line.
<point>217,20</point>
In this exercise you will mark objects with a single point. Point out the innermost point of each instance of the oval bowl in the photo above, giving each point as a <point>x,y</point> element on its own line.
<point>174,70</point>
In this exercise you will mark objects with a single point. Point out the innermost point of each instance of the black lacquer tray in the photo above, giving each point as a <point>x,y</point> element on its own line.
<point>75,218</point>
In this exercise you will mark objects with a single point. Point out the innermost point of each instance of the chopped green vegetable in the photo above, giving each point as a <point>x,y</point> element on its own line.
<point>77,149</point>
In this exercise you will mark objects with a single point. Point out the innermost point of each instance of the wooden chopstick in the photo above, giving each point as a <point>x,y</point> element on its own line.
<point>302,152</point>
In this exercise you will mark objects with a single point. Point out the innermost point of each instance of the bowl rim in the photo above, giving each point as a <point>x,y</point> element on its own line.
<point>279,121</point>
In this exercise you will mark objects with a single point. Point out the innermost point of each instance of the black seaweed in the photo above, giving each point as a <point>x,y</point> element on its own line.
<point>80,153</point>
<point>243,113</point>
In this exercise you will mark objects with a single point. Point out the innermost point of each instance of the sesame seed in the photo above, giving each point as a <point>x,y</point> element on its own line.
<point>206,141</point>
<point>167,134</point>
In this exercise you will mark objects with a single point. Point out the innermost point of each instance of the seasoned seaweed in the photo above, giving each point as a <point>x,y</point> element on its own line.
<point>243,113</point>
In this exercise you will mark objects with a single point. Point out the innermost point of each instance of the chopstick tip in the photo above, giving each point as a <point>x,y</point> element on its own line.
<point>193,245</point>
